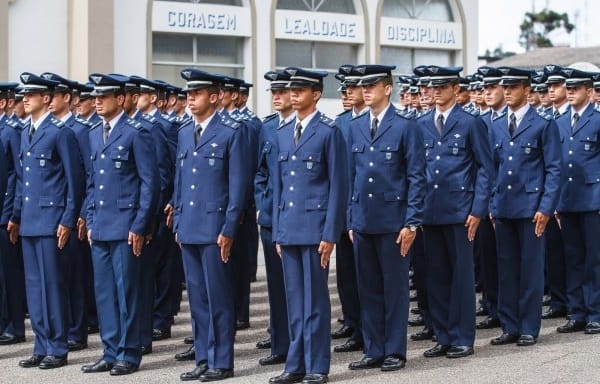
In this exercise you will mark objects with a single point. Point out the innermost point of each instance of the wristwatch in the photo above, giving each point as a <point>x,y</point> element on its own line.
<point>412,228</point>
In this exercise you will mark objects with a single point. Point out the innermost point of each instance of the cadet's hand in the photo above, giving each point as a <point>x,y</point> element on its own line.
<point>540,221</point>
<point>351,236</point>
<point>557,217</point>
<point>405,239</point>
<point>81,229</point>
<point>278,249</point>
<point>257,214</point>
<point>62,233</point>
<point>472,224</point>
<point>89,236</point>
<point>169,212</point>
<point>177,240</point>
<point>225,243</point>
<point>136,242</point>
<point>325,250</point>
<point>13,232</point>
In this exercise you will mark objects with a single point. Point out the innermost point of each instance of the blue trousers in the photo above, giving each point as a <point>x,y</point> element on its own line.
<point>384,294</point>
<point>117,277</point>
<point>581,232</point>
<point>278,320</point>
<point>485,250</point>
<point>450,283</point>
<point>520,276</point>
<point>419,263</point>
<point>209,288</point>
<point>309,310</point>
<point>79,256</point>
<point>347,285</point>
<point>46,282</point>
<point>555,266</point>
<point>164,274</point>
<point>12,310</point>
<point>243,252</point>
<point>148,262</point>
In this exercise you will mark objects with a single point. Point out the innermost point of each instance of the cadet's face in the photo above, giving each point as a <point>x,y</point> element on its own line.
<point>493,96</point>
<point>225,97</point>
<point>346,104</point>
<point>180,105</point>
<point>596,96</point>
<point>59,104</point>
<point>355,95</point>
<point>516,95</point>
<point>578,96</point>
<point>376,95</point>
<point>445,95</point>
<point>533,98</point>
<point>108,106</point>
<point>200,101</point>
<point>462,97</point>
<point>281,99</point>
<point>303,99</point>
<point>144,102</point>
<point>130,103</point>
<point>426,96</point>
<point>85,107</point>
<point>557,92</point>
<point>415,100</point>
<point>34,102</point>
<point>544,99</point>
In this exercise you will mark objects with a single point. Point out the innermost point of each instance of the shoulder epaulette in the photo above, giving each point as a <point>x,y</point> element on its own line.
<point>327,121</point>
<point>169,118</point>
<point>344,112</point>
<point>402,113</point>
<point>270,117</point>
<point>149,118</point>
<point>230,123</point>
<point>82,121</point>
<point>500,115</point>
<point>12,123</point>
<point>423,113</point>
<point>134,124</point>
<point>546,116</point>
<point>58,123</point>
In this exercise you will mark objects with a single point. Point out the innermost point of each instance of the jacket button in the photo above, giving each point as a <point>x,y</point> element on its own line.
<point>570,165</point>
<point>509,187</point>
<point>27,169</point>
<point>195,153</point>
<point>370,179</point>
<point>509,157</point>
<point>102,156</point>
<point>28,153</point>
<point>193,170</point>
<point>26,198</point>
<point>292,188</point>
<point>291,204</point>
<point>439,143</point>
<point>437,171</point>
<point>370,195</point>
<point>371,164</point>
<point>570,179</point>
<point>435,186</point>
<point>437,157</point>
<point>371,149</point>
<point>192,186</point>
<point>101,186</point>
<point>101,202</point>
<point>292,173</point>
<point>191,203</point>
<point>27,183</point>
<point>293,157</point>
<point>571,138</point>
<point>570,152</point>
<point>509,172</point>
<point>101,171</point>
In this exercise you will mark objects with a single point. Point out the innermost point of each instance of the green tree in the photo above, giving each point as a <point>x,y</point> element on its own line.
<point>536,27</point>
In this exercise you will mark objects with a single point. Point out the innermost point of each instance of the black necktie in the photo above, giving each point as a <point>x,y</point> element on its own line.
<point>574,122</point>
<point>439,123</point>
<point>106,132</point>
<point>494,115</point>
<point>556,113</point>
<point>31,131</point>
<point>197,133</point>
<point>373,129</point>
<point>512,124</point>
<point>297,133</point>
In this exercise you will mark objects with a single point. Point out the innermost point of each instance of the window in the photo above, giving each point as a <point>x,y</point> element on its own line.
<point>335,6</point>
<point>438,10</point>
<point>218,2</point>
<point>216,54</point>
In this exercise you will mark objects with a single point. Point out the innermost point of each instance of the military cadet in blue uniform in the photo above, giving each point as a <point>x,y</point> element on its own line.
<point>485,240</point>
<point>387,180</point>
<point>344,254</point>
<point>555,258</point>
<point>579,203</point>
<point>527,160</point>
<point>122,197</point>
<point>459,170</point>
<point>85,108</point>
<point>47,205</point>
<point>279,341</point>
<point>212,183</point>
<point>309,199</point>
<point>78,247</point>
<point>12,284</point>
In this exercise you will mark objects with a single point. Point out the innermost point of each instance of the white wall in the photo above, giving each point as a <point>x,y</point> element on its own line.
<point>130,35</point>
<point>37,40</point>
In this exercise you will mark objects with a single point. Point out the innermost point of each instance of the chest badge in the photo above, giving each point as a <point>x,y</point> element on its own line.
<point>457,136</point>
<point>117,164</point>
<point>42,163</point>
<point>527,150</point>
<point>120,147</point>
<point>455,150</point>
<point>309,165</point>
<point>214,145</point>
<point>586,146</point>
<point>211,162</point>
<point>388,155</point>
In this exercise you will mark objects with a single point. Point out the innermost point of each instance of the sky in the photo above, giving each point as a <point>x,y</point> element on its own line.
<point>499,22</point>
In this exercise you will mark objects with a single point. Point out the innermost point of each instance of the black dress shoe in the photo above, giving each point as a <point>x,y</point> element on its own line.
<point>272,360</point>
<point>366,363</point>
<point>161,334</point>
<point>488,323</point>
<point>416,321</point>
<point>459,351</point>
<point>76,346</point>
<point>425,334</point>
<point>33,361</point>
<point>146,350</point>
<point>51,362</point>
<point>315,378</point>
<point>287,378</point>
<point>412,296</point>
<point>571,326</point>
<point>339,320</point>
<point>546,301</point>
<point>393,363</point>
<point>264,344</point>
<point>481,311</point>
<point>123,368</point>
<point>505,338</point>
<point>99,366</point>
<point>190,354</point>
<point>415,311</point>
<point>554,313</point>
<point>215,374</point>
<point>241,325</point>
<point>350,345</point>
<point>343,332</point>
<point>526,340</point>
<point>196,373</point>
<point>592,328</point>
<point>8,339</point>
<point>188,340</point>
<point>437,351</point>
<point>93,329</point>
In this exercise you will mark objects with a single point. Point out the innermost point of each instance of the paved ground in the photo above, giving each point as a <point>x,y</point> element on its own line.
<point>555,359</point>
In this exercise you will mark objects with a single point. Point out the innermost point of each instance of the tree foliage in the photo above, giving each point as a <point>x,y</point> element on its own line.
<point>536,27</point>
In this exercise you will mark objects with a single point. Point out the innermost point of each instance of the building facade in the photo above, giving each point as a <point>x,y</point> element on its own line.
<point>243,38</point>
